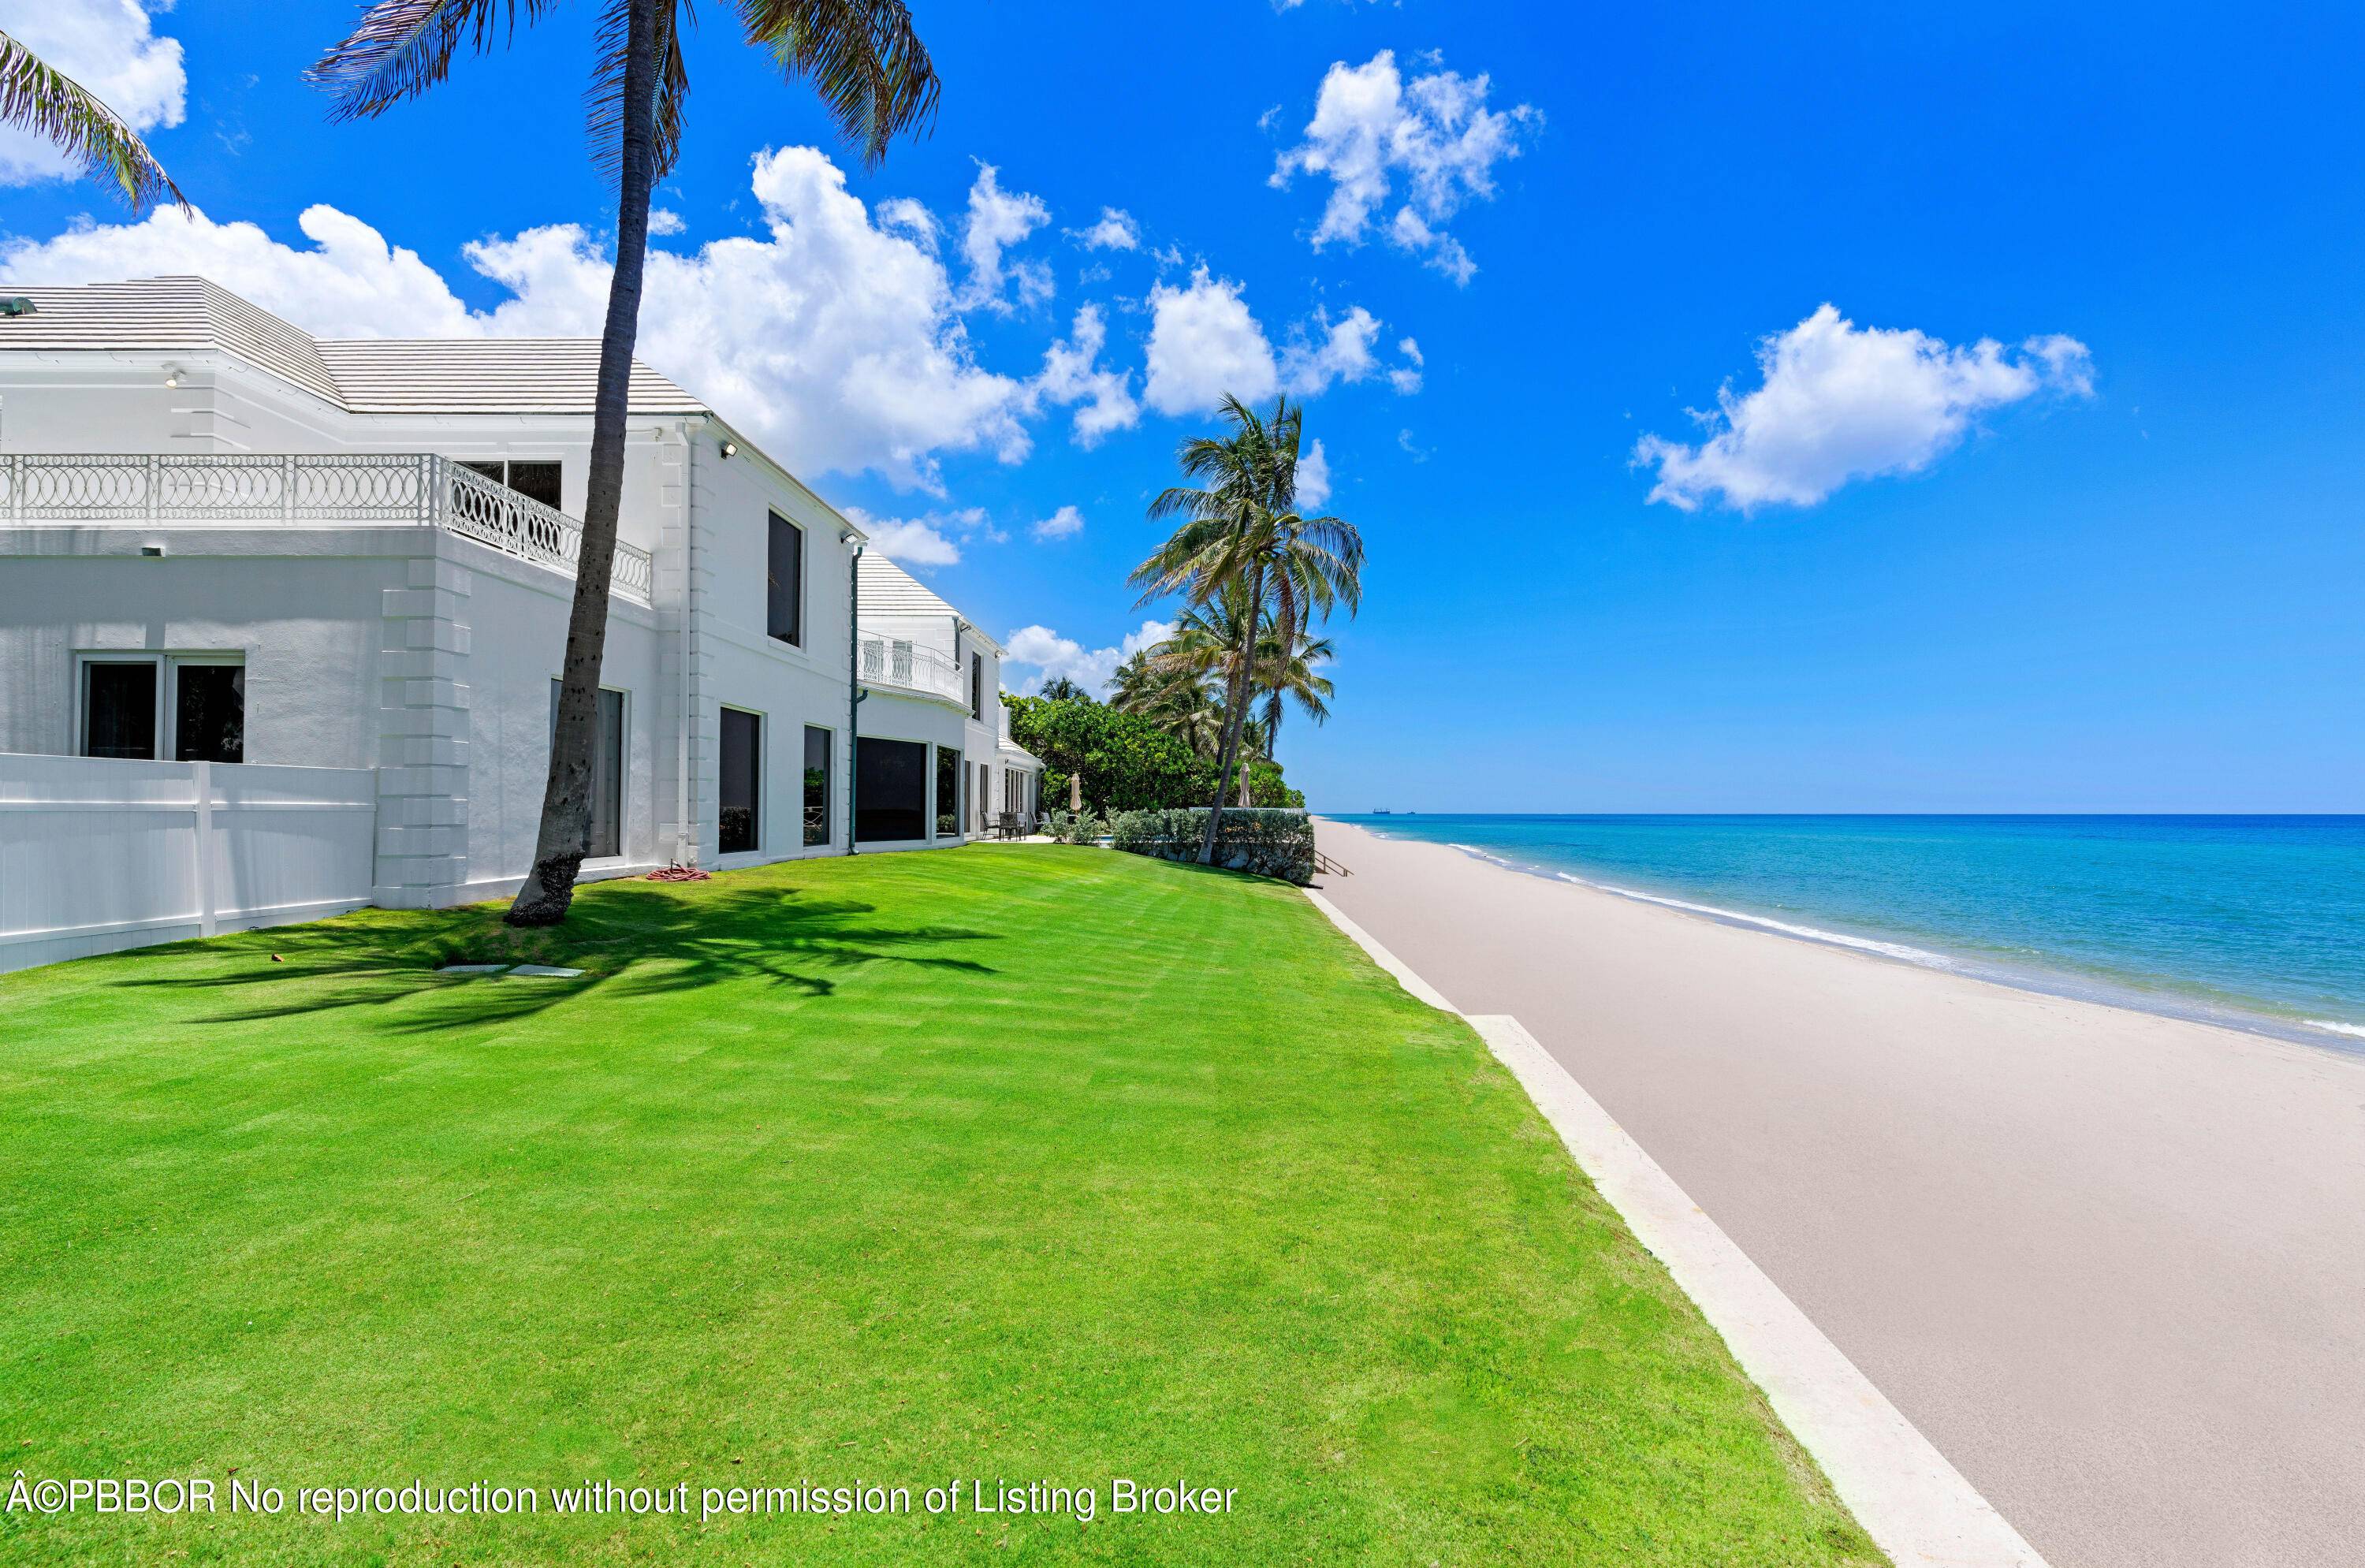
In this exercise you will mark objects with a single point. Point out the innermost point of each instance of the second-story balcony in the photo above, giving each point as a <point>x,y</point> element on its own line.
<point>900,665</point>
<point>305,490</point>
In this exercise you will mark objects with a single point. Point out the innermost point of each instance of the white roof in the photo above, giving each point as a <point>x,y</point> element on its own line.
<point>469,376</point>
<point>885,589</point>
<point>882,587</point>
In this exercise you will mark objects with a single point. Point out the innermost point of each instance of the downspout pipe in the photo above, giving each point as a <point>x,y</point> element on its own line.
<point>854,692</point>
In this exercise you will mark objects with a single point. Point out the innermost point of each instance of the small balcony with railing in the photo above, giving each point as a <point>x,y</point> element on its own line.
<point>305,490</point>
<point>904,666</point>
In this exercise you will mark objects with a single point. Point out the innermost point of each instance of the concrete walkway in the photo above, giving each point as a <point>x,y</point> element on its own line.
<point>2111,1265</point>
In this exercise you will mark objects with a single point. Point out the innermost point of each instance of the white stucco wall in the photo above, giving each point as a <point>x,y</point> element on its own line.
<point>427,657</point>
<point>303,611</point>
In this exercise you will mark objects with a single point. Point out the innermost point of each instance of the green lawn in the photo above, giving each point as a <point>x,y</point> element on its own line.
<point>1017,1163</point>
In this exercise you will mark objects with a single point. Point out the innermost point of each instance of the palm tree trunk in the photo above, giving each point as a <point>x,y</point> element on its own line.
<point>567,796</point>
<point>1235,712</point>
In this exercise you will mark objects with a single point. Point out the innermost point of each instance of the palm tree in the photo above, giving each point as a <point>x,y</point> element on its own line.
<point>1159,684</point>
<point>1240,525</point>
<point>49,103</point>
<point>876,78</point>
<point>1135,686</point>
<point>1287,671</point>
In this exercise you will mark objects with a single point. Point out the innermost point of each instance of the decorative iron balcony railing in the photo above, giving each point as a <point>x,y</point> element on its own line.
<point>302,489</point>
<point>897,662</point>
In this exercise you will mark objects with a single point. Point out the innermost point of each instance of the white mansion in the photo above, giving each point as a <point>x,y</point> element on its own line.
<point>224,541</point>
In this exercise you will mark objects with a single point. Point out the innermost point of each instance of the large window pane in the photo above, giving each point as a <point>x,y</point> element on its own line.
<point>890,790</point>
<point>118,713</point>
<point>607,833</point>
<point>785,589</point>
<point>210,713</point>
<point>738,824</point>
<point>817,786</point>
<point>608,779</point>
<point>949,783</point>
<point>536,482</point>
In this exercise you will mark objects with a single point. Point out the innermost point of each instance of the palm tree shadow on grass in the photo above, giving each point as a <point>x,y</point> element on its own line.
<point>631,941</point>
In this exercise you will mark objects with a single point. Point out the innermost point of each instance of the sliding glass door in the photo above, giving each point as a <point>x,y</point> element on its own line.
<point>817,786</point>
<point>890,790</point>
<point>738,823</point>
<point>949,787</point>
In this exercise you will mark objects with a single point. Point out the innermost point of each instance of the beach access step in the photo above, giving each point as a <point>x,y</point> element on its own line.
<point>1329,868</point>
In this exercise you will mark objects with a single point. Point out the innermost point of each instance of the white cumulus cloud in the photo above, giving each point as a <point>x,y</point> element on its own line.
<point>1372,130</point>
<point>835,342</point>
<point>1405,377</point>
<point>1116,231</point>
<point>1052,655</point>
<point>1341,351</point>
<point>1072,373</point>
<point>1205,342</point>
<point>1313,477</point>
<point>664,220</point>
<point>924,542</point>
<point>1065,523</point>
<point>997,220</point>
<point>1837,402</point>
<point>107,48</point>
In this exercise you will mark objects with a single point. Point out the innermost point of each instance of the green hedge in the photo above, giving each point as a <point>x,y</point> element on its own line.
<point>1126,762</point>
<point>1268,841</point>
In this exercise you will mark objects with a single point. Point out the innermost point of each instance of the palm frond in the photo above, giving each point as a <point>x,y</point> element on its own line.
<point>41,98</point>
<point>863,57</point>
<point>401,49</point>
<point>603,101</point>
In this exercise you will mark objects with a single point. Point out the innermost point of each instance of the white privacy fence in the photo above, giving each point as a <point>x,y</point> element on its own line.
<point>99,854</point>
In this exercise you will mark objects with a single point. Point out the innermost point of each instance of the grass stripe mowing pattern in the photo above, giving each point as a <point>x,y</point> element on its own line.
<point>1005,1162</point>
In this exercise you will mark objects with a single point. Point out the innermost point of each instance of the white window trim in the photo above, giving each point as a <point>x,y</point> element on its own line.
<point>728,860</point>
<point>836,770</point>
<point>623,856</point>
<point>164,662</point>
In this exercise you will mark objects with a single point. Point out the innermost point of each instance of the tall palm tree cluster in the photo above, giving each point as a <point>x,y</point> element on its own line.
<point>1256,576</point>
<point>1180,684</point>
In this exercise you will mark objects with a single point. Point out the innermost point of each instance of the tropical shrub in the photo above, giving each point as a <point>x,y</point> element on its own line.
<point>1264,841</point>
<point>1126,762</point>
<point>1267,788</point>
<point>1076,827</point>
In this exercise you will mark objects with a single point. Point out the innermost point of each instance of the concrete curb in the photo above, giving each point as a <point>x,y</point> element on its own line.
<point>1916,1507</point>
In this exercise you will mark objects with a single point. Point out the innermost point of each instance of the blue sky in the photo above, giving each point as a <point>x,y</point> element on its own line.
<point>2111,561</point>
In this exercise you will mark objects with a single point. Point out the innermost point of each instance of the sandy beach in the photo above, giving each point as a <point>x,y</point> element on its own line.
<point>2111,1264</point>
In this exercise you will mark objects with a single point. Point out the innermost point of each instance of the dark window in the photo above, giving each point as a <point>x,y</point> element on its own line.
<point>535,481</point>
<point>816,785</point>
<point>210,712</point>
<point>984,792</point>
<point>977,686</point>
<point>949,783</point>
<point>890,790</point>
<point>785,586</point>
<point>737,826</point>
<point>118,710</point>
<point>607,836</point>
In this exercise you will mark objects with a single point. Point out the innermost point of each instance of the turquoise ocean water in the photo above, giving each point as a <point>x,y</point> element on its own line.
<point>2257,921</point>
